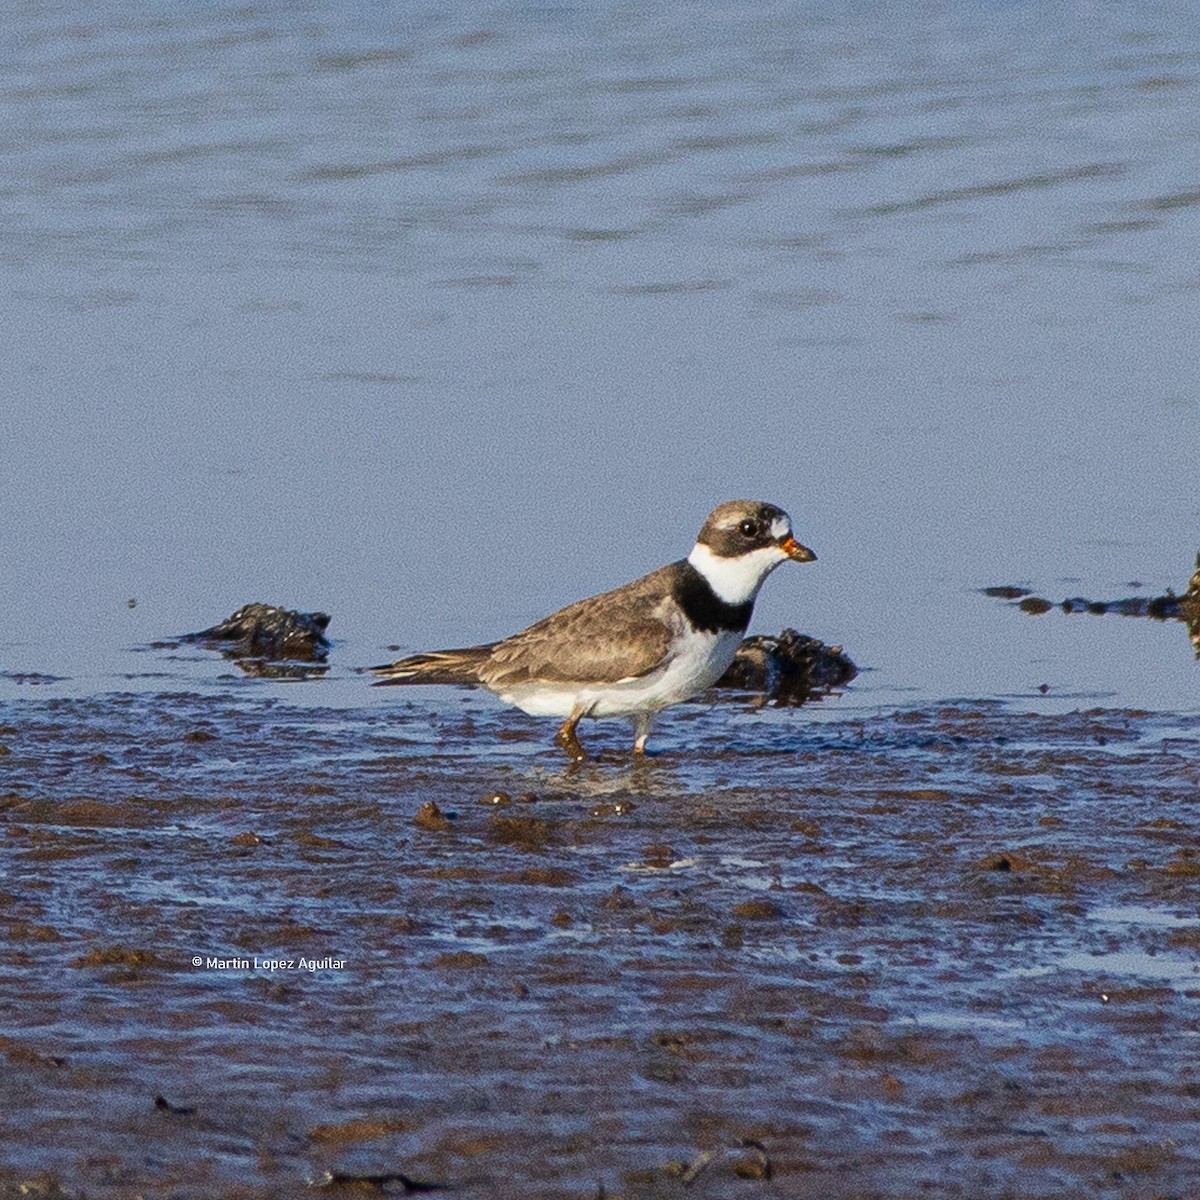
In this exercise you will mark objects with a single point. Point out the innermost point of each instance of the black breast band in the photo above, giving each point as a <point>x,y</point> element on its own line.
<point>705,609</point>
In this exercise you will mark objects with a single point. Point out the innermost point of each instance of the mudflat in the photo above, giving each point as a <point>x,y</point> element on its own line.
<point>249,947</point>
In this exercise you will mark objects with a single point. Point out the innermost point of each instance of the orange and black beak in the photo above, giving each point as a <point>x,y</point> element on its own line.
<point>795,551</point>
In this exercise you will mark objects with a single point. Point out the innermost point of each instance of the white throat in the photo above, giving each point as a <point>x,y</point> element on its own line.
<point>736,580</point>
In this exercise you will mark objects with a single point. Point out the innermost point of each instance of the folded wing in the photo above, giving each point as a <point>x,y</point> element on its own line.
<point>625,637</point>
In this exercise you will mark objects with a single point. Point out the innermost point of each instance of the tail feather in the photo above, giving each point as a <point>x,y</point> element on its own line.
<point>438,666</point>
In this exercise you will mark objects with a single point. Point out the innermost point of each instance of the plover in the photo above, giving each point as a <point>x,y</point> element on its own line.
<point>635,650</point>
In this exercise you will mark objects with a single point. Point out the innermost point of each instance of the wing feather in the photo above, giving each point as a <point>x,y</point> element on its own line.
<point>622,634</point>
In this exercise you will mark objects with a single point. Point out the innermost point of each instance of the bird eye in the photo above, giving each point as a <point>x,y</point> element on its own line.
<point>748,529</point>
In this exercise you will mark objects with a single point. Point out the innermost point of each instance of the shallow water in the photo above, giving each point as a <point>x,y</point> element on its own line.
<point>436,319</point>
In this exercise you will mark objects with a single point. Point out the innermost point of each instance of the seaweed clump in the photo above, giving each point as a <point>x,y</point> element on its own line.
<point>265,640</point>
<point>1167,607</point>
<point>789,669</point>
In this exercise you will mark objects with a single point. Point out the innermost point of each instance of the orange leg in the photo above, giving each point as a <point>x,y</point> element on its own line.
<point>567,739</point>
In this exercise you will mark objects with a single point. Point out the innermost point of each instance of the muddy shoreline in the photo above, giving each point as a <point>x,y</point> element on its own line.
<point>953,951</point>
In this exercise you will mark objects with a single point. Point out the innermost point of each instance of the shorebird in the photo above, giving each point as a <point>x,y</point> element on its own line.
<point>635,650</point>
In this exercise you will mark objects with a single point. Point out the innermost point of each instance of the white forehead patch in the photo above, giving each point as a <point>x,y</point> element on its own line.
<point>781,527</point>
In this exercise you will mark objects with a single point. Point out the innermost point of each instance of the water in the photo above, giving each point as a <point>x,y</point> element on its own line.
<point>436,317</point>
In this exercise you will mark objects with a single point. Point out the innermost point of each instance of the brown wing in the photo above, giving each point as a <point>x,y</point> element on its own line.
<point>616,635</point>
<point>438,666</point>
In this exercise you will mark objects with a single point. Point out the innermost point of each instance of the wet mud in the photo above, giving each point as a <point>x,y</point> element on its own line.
<point>250,948</point>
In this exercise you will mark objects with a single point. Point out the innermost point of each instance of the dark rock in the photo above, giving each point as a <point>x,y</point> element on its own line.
<point>1189,607</point>
<point>1035,605</point>
<point>430,817</point>
<point>266,641</point>
<point>1005,862</point>
<point>266,632</point>
<point>1167,607</point>
<point>789,669</point>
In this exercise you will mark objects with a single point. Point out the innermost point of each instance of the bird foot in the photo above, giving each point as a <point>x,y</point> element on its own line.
<point>570,743</point>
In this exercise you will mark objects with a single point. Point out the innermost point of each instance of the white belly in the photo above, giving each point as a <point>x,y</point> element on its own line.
<point>699,661</point>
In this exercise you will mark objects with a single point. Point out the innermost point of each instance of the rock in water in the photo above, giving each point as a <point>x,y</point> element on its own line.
<point>1189,607</point>
<point>266,632</point>
<point>789,669</point>
<point>1167,607</point>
